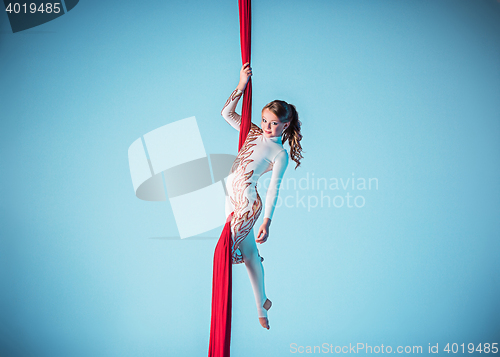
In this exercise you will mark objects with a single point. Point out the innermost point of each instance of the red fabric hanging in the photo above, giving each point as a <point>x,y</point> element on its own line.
<point>245,7</point>
<point>220,325</point>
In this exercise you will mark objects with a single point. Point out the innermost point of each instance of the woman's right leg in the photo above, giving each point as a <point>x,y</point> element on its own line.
<point>242,224</point>
<point>255,270</point>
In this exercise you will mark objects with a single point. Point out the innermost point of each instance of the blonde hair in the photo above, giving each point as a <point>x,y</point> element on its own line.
<point>287,113</point>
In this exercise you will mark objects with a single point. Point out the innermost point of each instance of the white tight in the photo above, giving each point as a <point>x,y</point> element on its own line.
<point>250,254</point>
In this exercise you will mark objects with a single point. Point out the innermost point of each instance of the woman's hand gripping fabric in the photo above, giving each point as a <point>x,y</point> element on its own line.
<point>245,74</point>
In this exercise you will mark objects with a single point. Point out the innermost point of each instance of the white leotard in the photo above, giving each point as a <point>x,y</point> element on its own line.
<point>257,156</point>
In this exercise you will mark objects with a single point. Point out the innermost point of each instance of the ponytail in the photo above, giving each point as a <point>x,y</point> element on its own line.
<point>293,135</point>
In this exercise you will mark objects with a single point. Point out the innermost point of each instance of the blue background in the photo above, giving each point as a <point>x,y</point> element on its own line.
<point>404,91</point>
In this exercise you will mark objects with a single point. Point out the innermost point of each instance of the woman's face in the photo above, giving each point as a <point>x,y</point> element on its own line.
<point>271,125</point>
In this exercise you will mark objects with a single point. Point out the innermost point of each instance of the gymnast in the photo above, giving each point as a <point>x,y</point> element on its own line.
<point>261,152</point>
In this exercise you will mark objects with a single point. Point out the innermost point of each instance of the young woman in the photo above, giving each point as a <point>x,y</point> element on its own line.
<point>262,152</point>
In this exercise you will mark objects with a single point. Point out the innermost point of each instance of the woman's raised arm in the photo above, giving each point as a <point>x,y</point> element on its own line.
<point>245,74</point>
<point>228,112</point>
<point>233,118</point>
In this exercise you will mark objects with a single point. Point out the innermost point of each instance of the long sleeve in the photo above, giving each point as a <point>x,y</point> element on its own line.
<point>233,118</point>
<point>279,167</point>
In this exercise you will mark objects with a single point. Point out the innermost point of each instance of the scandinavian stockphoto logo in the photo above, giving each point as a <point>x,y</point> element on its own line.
<point>25,15</point>
<point>172,158</point>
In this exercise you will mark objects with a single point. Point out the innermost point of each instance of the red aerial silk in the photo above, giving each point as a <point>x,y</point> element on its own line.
<point>220,325</point>
<point>245,40</point>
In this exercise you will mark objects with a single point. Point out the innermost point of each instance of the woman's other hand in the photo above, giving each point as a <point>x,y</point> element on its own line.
<point>263,231</point>
<point>245,73</point>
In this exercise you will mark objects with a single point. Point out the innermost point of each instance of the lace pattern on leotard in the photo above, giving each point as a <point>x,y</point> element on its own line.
<point>246,213</point>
